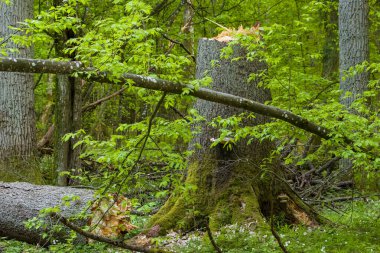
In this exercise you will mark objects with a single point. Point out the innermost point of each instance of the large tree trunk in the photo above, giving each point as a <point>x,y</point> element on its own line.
<point>17,119</point>
<point>230,184</point>
<point>354,46</point>
<point>23,201</point>
<point>354,50</point>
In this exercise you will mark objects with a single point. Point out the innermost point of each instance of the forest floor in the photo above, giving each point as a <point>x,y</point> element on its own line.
<point>357,229</point>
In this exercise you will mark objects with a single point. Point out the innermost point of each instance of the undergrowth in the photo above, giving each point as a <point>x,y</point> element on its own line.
<point>356,230</point>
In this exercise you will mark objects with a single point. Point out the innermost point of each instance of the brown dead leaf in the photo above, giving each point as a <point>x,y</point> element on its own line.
<point>110,216</point>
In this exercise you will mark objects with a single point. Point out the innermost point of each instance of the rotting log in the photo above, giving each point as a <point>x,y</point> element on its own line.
<point>20,202</point>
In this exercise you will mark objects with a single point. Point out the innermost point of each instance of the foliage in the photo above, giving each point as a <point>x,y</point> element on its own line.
<point>356,230</point>
<point>136,145</point>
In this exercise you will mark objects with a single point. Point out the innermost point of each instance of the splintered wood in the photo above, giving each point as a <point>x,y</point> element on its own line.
<point>230,34</point>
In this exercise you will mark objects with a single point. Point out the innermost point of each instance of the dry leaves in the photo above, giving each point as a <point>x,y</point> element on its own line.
<point>111,217</point>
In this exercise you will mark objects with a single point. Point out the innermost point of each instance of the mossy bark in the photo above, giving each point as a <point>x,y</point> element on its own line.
<point>237,185</point>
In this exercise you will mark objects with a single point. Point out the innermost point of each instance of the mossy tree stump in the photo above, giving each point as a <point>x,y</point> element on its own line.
<point>230,186</point>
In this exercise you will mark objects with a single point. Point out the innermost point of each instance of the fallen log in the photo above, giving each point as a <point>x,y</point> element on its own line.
<point>20,202</point>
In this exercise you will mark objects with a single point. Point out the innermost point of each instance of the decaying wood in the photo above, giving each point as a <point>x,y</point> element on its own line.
<point>23,201</point>
<point>20,202</point>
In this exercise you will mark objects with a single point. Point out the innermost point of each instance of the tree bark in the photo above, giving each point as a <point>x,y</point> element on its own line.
<point>230,186</point>
<point>67,120</point>
<point>23,201</point>
<point>354,50</point>
<point>17,119</point>
<point>330,61</point>
<point>354,47</point>
<point>67,112</point>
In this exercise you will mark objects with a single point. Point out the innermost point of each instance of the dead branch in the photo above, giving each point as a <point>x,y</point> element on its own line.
<point>180,44</point>
<point>100,101</point>
<point>216,247</point>
<point>116,243</point>
<point>46,138</point>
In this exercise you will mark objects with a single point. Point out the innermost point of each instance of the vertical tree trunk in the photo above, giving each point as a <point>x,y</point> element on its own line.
<point>188,27</point>
<point>330,49</point>
<point>354,49</point>
<point>67,120</point>
<point>17,119</point>
<point>354,46</point>
<point>67,114</point>
<point>229,183</point>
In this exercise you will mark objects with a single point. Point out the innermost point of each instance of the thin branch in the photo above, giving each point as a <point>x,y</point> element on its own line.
<point>326,165</point>
<point>181,45</point>
<point>345,198</point>
<point>179,113</point>
<point>100,101</point>
<point>278,238</point>
<point>46,138</point>
<point>217,249</point>
<point>40,77</point>
<point>160,6</point>
<point>98,238</point>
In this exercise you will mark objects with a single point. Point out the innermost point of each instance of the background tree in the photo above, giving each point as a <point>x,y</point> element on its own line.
<point>353,50</point>
<point>17,128</point>
<point>67,110</point>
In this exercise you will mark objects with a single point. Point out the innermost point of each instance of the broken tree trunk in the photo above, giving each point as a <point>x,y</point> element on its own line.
<point>238,185</point>
<point>20,202</point>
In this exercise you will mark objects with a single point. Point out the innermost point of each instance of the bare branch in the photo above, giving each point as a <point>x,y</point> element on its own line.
<point>98,238</point>
<point>100,101</point>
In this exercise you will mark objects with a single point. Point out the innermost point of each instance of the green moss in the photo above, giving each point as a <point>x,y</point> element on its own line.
<point>185,204</point>
<point>233,202</point>
<point>169,215</point>
<point>220,215</point>
<point>20,170</point>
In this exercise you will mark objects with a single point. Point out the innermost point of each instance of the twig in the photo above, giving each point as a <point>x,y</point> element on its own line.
<point>180,44</point>
<point>179,113</point>
<point>278,238</point>
<point>89,106</point>
<point>217,249</point>
<point>98,238</point>
<point>345,198</point>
